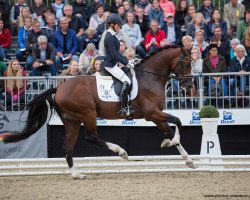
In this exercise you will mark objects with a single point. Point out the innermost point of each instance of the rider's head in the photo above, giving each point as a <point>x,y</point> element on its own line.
<point>114,21</point>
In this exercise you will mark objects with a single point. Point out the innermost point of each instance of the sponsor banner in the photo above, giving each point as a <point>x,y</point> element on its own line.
<point>33,147</point>
<point>187,117</point>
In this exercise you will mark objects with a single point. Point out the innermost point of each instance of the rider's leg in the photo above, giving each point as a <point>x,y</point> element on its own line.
<point>120,75</point>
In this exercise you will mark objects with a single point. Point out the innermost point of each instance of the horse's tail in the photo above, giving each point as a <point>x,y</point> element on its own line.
<point>37,116</point>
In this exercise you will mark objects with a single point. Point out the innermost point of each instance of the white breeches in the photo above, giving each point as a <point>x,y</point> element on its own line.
<point>118,73</point>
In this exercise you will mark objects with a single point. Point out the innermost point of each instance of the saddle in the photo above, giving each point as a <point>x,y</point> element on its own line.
<point>116,82</point>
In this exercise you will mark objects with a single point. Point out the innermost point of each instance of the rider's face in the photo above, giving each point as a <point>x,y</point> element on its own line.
<point>117,27</point>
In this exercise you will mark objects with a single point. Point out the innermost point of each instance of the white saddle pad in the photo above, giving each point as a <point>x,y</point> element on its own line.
<point>105,88</point>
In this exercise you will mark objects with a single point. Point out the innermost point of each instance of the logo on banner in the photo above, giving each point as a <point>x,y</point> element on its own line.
<point>195,118</point>
<point>100,121</point>
<point>227,118</point>
<point>3,118</point>
<point>128,122</point>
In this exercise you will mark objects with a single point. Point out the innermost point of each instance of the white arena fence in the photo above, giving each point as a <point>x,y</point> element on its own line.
<point>116,165</point>
<point>176,98</point>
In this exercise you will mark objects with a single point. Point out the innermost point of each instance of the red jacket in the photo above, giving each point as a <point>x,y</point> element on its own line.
<point>5,38</point>
<point>159,36</point>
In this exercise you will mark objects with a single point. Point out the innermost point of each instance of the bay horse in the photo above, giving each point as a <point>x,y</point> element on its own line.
<point>76,102</point>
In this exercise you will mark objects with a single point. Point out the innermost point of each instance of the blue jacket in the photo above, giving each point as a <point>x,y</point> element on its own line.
<point>112,47</point>
<point>72,41</point>
<point>21,37</point>
<point>156,14</point>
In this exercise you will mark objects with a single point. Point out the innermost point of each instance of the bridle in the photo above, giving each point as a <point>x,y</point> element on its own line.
<point>179,64</point>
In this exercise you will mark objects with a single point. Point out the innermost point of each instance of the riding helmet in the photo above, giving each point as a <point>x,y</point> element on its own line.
<point>114,18</point>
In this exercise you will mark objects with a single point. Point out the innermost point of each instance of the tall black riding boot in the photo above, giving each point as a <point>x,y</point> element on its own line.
<point>124,98</point>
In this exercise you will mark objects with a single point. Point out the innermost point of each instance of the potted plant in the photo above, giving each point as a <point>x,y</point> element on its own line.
<point>209,116</point>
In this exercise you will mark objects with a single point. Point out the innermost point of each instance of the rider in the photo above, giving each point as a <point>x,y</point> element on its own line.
<point>114,60</point>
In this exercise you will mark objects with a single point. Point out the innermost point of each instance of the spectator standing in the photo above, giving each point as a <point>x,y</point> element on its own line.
<point>65,42</point>
<point>142,21</point>
<point>181,13</point>
<point>5,12</point>
<point>206,10</point>
<point>31,40</point>
<point>154,37</point>
<point>173,32</point>
<point>134,33</point>
<point>242,26</point>
<point>14,14</point>
<point>167,7</point>
<point>233,11</point>
<point>143,4</point>
<point>15,88</point>
<point>155,12</point>
<point>215,63</point>
<point>43,55</point>
<point>21,52</point>
<point>97,18</point>
<point>240,63</point>
<point>50,28</point>
<point>216,21</point>
<point>5,41</point>
<point>87,57</point>
<point>197,24</point>
<point>57,7</point>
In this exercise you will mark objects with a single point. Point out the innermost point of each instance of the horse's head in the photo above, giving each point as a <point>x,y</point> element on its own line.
<point>181,67</point>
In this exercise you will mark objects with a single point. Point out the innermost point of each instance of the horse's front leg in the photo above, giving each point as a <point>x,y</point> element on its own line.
<point>162,119</point>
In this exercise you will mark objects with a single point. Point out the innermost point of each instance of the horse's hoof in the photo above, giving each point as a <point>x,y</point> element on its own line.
<point>190,164</point>
<point>166,143</point>
<point>124,155</point>
<point>82,176</point>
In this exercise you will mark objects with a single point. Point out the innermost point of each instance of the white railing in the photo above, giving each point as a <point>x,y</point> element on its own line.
<point>136,164</point>
<point>176,97</point>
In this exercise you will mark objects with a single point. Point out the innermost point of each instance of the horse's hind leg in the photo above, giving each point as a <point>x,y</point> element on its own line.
<point>72,130</point>
<point>92,137</point>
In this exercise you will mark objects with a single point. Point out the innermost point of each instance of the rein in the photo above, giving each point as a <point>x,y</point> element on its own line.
<point>178,77</point>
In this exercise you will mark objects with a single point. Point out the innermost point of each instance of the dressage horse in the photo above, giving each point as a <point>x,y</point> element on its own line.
<point>76,102</point>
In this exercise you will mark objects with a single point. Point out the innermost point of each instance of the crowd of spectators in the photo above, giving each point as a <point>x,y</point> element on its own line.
<point>60,36</point>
